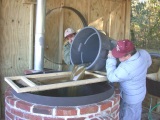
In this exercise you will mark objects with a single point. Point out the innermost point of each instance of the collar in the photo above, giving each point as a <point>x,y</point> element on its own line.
<point>134,57</point>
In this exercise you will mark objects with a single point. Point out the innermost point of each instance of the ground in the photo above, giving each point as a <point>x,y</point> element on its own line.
<point>155,116</point>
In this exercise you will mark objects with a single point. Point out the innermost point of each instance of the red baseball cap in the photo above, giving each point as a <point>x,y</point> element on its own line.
<point>123,47</point>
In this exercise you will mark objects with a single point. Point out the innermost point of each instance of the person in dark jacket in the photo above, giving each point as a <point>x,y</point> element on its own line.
<point>69,35</point>
<point>131,75</point>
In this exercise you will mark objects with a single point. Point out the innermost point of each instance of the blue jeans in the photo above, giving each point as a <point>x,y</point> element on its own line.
<point>130,111</point>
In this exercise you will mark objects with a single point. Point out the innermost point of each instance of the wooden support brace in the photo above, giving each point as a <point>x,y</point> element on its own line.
<point>28,82</point>
<point>11,83</point>
<point>70,83</point>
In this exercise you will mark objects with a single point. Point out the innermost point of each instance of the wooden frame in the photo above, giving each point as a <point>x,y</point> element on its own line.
<point>32,86</point>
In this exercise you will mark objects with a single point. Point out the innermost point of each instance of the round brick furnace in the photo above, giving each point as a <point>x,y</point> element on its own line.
<point>20,109</point>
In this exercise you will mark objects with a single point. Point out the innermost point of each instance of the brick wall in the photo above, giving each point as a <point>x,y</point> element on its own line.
<point>16,109</point>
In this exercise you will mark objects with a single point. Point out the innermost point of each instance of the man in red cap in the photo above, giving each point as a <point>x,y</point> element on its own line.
<point>131,75</point>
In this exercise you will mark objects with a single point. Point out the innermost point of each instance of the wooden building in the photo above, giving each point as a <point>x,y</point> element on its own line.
<point>17,21</point>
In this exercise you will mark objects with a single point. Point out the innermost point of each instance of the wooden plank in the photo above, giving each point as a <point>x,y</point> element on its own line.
<point>52,32</point>
<point>54,75</point>
<point>61,85</point>
<point>127,18</point>
<point>60,59</point>
<point>28,82</point>
<point>153,76</point>
<point>31,36</point>
<point>12,84</point>
<point>116,20</point>
<point>101,73</point>
<point>29,1</point>
<point>14,36</point>
<point>96,75</point>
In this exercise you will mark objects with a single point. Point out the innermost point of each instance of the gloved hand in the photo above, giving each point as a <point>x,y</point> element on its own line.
<point>66,42</point>
<point>110,53</point>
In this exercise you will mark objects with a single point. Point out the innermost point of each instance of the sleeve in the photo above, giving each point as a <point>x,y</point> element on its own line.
<point>115,74</point>
<point>149,60</point>
<point>66,50</point>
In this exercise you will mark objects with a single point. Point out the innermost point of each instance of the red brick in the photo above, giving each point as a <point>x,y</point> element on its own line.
<point>107,118</point>
<point>23,105</point>
<point>97,114</point>
<point>115,99</point>
<point>17,118</point>
<point>42,110</point>
<point>11,100</point>
<point>95,119</point>
<point>7,99</point>
<point>17,112</point>
<point>88,109</point>
<point>32,117</point>
<point>92,116</point>
<point>117,118</point>
<point>49,118</point>
<point>7,107</point>
<point>80,118</point>
<point>100,118</point>
<point>108,111</point>
<point>105,105</point>
<point>8,93</point>
<point>114,115</point>
<point>7,118</point>
<point>118,98</point>
<point>117,111</point>
<point>66,111</point>
<point>116,107</point>
<point>9,115</point>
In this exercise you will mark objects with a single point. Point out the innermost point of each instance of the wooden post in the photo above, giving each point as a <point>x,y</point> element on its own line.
<point>31,36</point>
<point>31,30</point>
<point>127,19</point>
<point>61,37</point>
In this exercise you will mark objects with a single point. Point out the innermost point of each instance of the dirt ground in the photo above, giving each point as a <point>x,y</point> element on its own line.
<point>155,116</point>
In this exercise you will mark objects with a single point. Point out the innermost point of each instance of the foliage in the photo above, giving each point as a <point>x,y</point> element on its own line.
<point>145,24</point>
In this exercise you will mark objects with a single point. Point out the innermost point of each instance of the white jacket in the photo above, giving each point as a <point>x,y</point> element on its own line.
<point>131,74</point>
